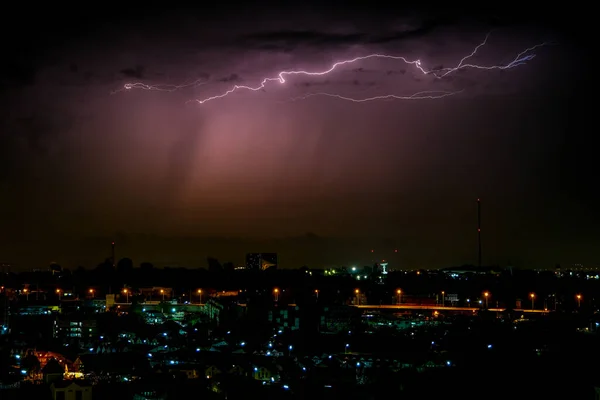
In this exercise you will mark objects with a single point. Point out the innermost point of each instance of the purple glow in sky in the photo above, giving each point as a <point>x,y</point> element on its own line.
<point>160,168</point>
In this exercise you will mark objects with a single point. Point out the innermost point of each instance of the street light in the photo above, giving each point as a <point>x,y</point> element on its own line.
<point>276,294</point>
<point>578,300</point>
<point>443,300</point>
<point>59,292</point>
<point>399,293</point>
<point>26,291</point>
<point>126,295</point>
<point>357,292</point>
<point>199,291</point>
<point>162,291</point>
<point>92,293</point>
<point>317,293</point>
<point>487,296</point>
<point>532,295</point>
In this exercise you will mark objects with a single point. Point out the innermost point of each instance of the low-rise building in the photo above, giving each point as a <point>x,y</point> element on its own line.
<point>71,390</point>
<point>74,328</point>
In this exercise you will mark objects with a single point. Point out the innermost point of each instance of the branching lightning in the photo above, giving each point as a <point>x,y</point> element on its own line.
<point>439,73</point>
<point>160,87</point>
<point>424,95</point>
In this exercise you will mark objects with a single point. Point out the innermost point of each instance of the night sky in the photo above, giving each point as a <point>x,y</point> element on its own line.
<point>320,180</point>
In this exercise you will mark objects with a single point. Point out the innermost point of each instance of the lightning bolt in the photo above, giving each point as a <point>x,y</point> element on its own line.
<point>424,95</point>
<point>520,59</point>
<point>160,87</point>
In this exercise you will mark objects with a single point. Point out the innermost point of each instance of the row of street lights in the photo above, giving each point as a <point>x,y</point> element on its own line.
<point>486,296</point>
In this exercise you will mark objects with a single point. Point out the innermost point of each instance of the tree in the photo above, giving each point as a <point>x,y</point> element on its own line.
<point>146,266</point>
<point>125,266</point>
<point>105,266</point>
<point>30,363</point>
<point>214,265</point>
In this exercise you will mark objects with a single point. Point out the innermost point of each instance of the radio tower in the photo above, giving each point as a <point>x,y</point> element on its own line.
<point>479,231</point>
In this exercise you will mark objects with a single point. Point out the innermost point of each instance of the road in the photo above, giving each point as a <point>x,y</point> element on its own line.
<point>410,307</point>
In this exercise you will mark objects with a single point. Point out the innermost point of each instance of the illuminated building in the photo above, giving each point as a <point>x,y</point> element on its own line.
<point>261,261</point>
<point>67,328</point>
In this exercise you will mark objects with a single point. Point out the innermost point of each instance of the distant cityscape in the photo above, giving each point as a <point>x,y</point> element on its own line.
<point>119,331</point>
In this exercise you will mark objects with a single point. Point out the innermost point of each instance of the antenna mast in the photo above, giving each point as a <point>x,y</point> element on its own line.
<point>479,231</point>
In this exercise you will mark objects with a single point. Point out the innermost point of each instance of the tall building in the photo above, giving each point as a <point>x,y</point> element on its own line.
<point>261,261</point>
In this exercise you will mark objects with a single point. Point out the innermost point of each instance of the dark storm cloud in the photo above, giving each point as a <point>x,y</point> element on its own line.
<point>312,84</point>
<point>395,72</point>
<point>15,73</point>
<point>353,82</point>
<point>363,71</point>
<point>426,27</point>
<point>287,40</point>
<point>293,39</point>
<point>137,72</point>
<point>230,78</point>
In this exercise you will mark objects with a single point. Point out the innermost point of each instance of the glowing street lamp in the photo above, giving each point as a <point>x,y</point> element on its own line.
<point>162,291</point>
<point>487,296</point>
<point>199,291</point>
<point>443,299</point>
<point>59,293</point>
<point>578,300</point>
<point>357,292</point>
<point>26,291</point>
<point>399,293</point>
<point>126,295</point>
<point>276,294</point>
<point>317,293</point>
<point>92,293</point>
<point>532,295</point>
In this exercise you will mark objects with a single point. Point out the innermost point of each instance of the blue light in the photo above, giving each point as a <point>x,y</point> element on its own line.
<point>286,387</point>
<point>489,346</point>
